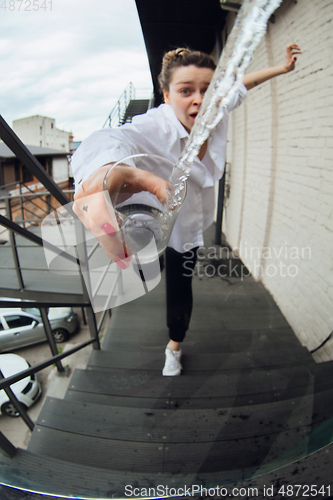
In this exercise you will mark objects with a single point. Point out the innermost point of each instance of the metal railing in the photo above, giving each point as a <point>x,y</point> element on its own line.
<point>23,207</point>
<point>26,197</point>
<point>56,358</point>
<point>14,227</point>
<point>82,300</point>
<point>115,117</point>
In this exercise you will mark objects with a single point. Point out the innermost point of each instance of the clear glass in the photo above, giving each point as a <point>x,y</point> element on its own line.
<point>144,223</point>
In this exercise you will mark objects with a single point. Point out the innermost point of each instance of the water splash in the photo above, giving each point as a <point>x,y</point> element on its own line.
<point>246,34</point>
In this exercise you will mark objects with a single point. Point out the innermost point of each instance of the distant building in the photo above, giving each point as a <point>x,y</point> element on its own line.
<point>73,146</point>
<point>41,131</point>
<point>54,161</point>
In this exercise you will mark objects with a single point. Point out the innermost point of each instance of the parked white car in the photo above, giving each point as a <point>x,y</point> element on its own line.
<point>26,390</point>
<point>23,327</point>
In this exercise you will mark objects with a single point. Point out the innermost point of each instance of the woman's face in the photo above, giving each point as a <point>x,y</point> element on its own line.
<point>186,90</point>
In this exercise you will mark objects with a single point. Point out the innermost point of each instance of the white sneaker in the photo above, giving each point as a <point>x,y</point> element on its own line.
<point>172,365</point>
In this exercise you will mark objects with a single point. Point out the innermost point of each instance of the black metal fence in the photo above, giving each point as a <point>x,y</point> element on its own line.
<point>14,228</point>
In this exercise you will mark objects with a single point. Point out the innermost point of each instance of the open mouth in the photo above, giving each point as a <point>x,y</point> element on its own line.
<point>193,115</point>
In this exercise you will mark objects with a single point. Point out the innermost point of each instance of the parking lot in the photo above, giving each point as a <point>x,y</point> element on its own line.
<point>52,383</point>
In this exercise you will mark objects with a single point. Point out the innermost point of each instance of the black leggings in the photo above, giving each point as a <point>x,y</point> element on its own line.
<point>179,273</point>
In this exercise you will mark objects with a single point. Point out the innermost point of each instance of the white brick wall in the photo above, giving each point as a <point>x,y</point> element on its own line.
<point>280,155</point>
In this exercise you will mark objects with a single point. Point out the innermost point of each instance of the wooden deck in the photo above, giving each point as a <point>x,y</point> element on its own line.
<point>250,400</point>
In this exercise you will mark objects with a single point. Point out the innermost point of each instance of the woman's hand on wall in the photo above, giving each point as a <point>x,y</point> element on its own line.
<point>292,50</point>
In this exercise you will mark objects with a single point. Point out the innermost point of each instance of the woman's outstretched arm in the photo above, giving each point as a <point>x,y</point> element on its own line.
<point>253,79</point>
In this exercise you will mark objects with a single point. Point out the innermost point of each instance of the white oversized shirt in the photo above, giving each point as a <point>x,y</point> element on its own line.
<point>159,132</point>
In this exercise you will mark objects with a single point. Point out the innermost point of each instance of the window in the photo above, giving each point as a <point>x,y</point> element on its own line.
<point>17,321</point>
<point>40,130</point>
<point>17,172</point>
<point>51,125</point>
<point>27,176</point>
<point>42,161</point>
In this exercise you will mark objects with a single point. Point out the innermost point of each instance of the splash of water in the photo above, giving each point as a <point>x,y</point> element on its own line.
<point>246,34</point>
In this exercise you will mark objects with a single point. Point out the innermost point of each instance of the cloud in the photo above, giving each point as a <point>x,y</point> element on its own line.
<point>71,63</point>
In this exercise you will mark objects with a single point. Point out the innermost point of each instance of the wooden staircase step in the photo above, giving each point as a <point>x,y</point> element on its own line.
<point>159,458</point>
<point>29,471</point>
<point>186,403</point>
<point>209,312</point>
<point>55,476</point>
<point>323,375</point>
<point>217,340</point>
<point>201,359</point>
<point>135,107</point>
<point>202,321</point>
<point>216,388</point>
<point>123,401</point>
<point>181,426</point>
<point>101,453</point>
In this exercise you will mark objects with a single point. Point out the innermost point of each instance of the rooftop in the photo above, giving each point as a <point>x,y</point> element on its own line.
<point>5,152</point>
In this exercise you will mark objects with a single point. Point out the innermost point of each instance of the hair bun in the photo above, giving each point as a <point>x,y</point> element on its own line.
<point>182,52</point>
<point>172,55</point>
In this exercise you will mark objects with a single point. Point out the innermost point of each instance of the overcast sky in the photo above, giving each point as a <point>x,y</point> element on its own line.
<point>70,63</point>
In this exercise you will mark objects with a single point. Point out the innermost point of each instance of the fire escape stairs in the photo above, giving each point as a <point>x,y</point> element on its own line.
<point>135,107</point>
<point>250,400</point>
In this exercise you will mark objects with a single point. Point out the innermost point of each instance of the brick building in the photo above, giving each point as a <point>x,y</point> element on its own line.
<point>279,209</point>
